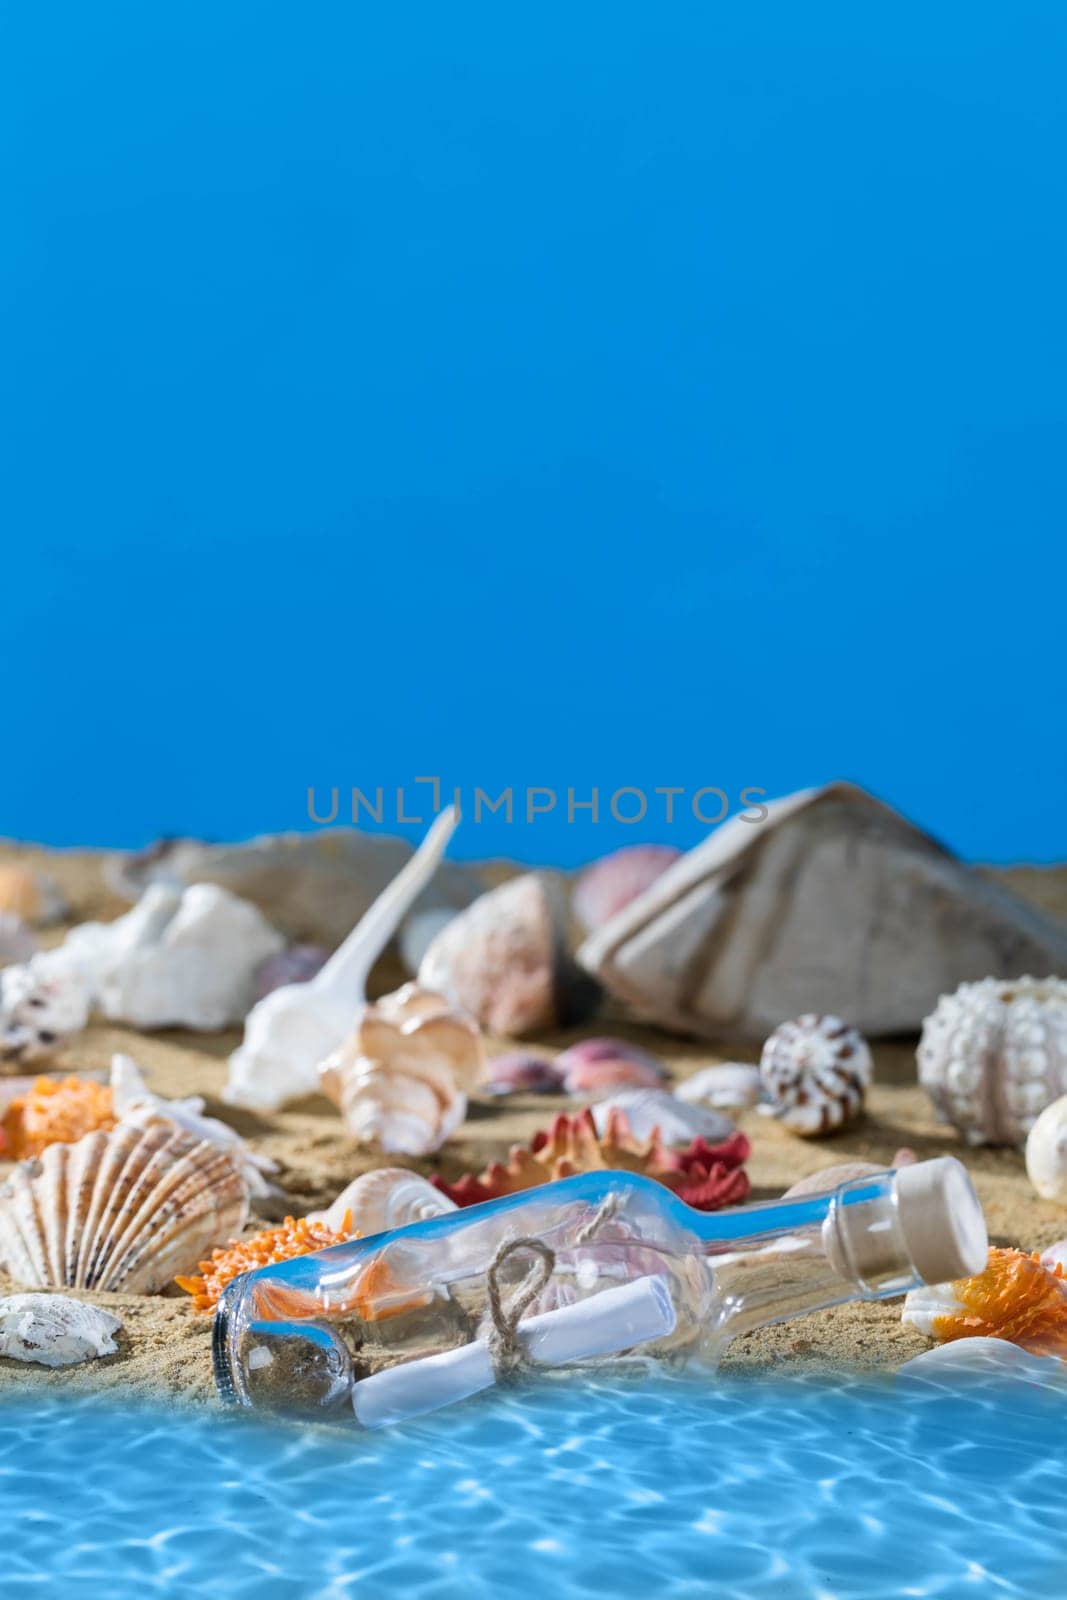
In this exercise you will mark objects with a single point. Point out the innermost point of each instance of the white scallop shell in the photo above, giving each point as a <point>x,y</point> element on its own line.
<point>400,1080</point>
<point>55,1331</point>
<point>649,1109</point>
<point>390,1197</point>
<point>39,1012</point>
<point>816,1070</point>
<point>993,1055</point>
<point>730,1086</point>
<point>123,1210</point>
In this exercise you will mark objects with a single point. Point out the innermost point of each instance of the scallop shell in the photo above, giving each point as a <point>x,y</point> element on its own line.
<point>608,885</point>
<point>816,1071</point>
<point>993,1055</point>
<point>125,1210</point>
<point>401,1080</point>
<point>598,1066</point>
<point>389,1198</point>
<point>38,1012</point>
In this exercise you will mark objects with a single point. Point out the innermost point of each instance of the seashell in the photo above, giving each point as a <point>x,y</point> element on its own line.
<point>298,964</point>
<point>378,1201</point>
<point>133,1102</point>
<point>181,958</point>
<point>731,1086</point>
<point>520,1072</point>
<point>401,1080</point>
<point>39,1012</point>
<point>123,1210</point>
<point>1055,1256</point>
<point>816,1071</point>
<point>295,1237</point>
<point>313,887</point>
<point>292,1030</point>
<point>832,1178</point>
<point>832,903</point>
<point>705,1176</point>
<point>657,1114</point>
<point>1046,1152</point>
<point>55,1331</point>
<point>608,885</point>
<point>55,1111</point>
<point>981,1358</point>
<point>17,943</point>
<point>993,1055</point>
<point>597,1066</point>
<point>29,895</point>
<point>504,960</point>
<point>1014,1298</point>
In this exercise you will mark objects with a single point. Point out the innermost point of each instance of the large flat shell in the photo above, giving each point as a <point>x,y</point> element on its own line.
<point>833,903</point>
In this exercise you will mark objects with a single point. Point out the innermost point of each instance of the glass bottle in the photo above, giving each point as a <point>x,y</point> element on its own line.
<point>604,1266</point>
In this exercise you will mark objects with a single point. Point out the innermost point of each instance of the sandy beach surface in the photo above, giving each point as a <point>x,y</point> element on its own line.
<point>165,1346</point>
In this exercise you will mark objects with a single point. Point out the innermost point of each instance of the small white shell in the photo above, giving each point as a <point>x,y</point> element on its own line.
<point>731,1086</point>
<point>125,1210</point>
<point>1046,1152</point>
<point>39,1012</point>
<point>993,1055</point>
<point>678,1122</point>
<point>55,1331</point>
<point>389,1198</point>
<point>922,1306</point>
<point>816,1070</point>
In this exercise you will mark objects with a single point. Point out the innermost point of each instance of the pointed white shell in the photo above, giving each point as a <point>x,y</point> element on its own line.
<point>122,1210</point>
<point>816,1071</point>
<point>55,1331</point>
<point>731,1086</point>
<point>993,1055</point>
<point>678,1122</point>
<point>389,1198</point>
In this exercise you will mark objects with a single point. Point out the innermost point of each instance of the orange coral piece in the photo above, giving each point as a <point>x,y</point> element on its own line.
<point>1014,1298</point>
<point>295,1237</point>
<point>704,1175</point>
<point>55,1112</point>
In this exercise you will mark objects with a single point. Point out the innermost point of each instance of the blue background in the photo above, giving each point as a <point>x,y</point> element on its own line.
<point>562,395</point>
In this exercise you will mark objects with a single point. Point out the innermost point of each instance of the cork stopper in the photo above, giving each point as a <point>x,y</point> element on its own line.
<point>941,1220</point>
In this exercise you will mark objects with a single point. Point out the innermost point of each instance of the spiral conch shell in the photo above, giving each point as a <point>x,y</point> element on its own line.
<point>390,1197</point>
<point>816,1071</point>
<point>401,1080</point>
<point>993,1055</point>
<point>125,1210</point>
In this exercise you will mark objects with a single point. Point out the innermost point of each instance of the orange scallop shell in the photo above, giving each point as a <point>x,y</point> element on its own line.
<point>1014,1298</point>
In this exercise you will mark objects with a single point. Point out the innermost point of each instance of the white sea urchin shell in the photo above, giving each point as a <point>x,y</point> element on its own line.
<point>816,1071</point>
<point>993,1055</point>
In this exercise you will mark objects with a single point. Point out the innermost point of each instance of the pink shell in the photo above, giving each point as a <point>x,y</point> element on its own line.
<point>298,964</point>
<point>613,881</point>
<point>597,1066</point>
<point>521,1072</point>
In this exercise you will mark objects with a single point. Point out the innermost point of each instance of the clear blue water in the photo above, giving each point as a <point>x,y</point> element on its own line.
<point>785,1489</point>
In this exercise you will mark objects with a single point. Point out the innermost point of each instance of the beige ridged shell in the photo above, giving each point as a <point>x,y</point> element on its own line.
<point>816,1071</point>
<point>391,1197</point>
<point>993,1055</point>
<point>125,1210</point>
<point>401,1080</point>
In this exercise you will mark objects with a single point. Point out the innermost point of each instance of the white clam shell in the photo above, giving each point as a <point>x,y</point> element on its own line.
<point>125,1210</point>
<point>389,1198</point>
<point>677,1121</point>
<point>53,1330</point>
<point>1046,1152</point>
<point>816,1071</point>
<point>993,1055</point>
<point>731,1086</point>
